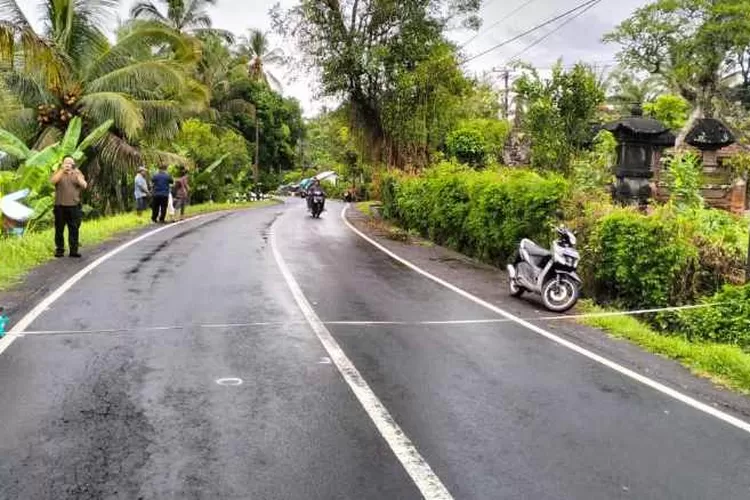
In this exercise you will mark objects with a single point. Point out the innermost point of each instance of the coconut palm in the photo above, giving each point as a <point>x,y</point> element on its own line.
<point>71,69</point>
<point>627,89</point>
<point>256,49</point>
<point>186,16</point>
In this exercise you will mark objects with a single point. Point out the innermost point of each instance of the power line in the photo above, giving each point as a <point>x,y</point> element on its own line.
<point>504,18</point>
<point>555,30</point>
<point>531,30</point>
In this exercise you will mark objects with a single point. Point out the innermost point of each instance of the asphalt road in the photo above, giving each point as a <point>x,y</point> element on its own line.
<point>119,398</point>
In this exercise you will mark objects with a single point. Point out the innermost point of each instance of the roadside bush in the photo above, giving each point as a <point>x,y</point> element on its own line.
<point>483,214</point>
<point>667,258</point>
<point>636,260</point>
<point>467,146</point>
<point>728,322</point>
<point>478,142</point>
<point>630,259</point>
<point>721,239</point>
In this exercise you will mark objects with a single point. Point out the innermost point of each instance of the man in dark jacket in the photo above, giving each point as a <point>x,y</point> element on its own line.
<point>161,183</point>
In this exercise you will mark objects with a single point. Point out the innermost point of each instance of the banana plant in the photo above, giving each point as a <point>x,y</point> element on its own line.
<point>37,166</point>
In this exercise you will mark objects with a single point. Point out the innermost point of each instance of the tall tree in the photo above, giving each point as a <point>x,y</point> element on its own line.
<point>559,112</point>
<point>694,44</point>
<point>72,70</point>
<point>626,89</point>
<point>364,50</point>
<point>256,48</point>
<point>186,16</point>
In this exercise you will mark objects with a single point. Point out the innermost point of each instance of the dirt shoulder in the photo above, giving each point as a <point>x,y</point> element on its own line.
<point>491,285</point>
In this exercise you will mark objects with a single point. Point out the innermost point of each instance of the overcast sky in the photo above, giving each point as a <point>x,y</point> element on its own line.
<point>578,40</point>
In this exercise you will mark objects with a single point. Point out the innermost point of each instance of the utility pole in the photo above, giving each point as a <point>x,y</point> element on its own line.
<point>505,72</point>
<point>506,77</point>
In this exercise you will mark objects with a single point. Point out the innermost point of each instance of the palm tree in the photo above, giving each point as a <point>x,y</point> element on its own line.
<point>627,89</point>
<point>186,16</point>
<point>73,70</point>
<point>256,49</point>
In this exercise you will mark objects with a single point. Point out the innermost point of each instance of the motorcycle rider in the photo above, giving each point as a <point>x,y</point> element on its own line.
<point>315,186</point>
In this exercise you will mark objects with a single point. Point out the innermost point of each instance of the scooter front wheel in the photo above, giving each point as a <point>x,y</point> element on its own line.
<point>560,294</point>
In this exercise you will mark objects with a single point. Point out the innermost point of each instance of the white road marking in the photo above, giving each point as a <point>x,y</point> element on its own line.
<point>229,381</point>
<point>19,328</point>
<point>684,398</point>
<point>428,483</point>
<point>447,322</point>
<point>325,360</point>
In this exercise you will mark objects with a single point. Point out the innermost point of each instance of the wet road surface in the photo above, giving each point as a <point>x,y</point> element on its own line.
<point>116,394</point>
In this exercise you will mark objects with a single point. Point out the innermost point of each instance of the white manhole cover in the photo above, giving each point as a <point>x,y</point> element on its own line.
<point>229,381</point>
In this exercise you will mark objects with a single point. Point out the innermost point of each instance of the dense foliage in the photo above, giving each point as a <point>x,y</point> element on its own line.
<point>673,256</point>
<point>558,113</point>
<point>163,68</point>
<point>392,65</point>
<point>483,214</point>
<point>727,321</point>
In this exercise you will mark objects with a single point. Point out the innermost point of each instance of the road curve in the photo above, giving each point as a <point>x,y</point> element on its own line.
<point>115,395</point>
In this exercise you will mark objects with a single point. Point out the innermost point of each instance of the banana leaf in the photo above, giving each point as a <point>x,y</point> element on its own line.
<point>70,140</point>
<point>12,145</point>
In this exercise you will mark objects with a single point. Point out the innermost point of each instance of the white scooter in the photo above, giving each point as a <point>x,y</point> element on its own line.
<point>552,274</point>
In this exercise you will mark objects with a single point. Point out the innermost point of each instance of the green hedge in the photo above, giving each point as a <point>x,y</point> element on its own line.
<point>483,214</point>
<point>639,261</point>
<point>728,322</point>
<point>629,259</point>
<point>666,258</point>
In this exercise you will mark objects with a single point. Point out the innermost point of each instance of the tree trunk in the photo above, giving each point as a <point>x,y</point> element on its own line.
<point>694,116</point>
<point>256,163</point>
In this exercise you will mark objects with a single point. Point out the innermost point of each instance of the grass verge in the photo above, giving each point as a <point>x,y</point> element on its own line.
<point>19,255</point>
<point>724,364</point>
<point>366,207</point>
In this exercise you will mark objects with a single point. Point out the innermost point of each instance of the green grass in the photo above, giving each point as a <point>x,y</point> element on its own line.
<point>725,365</point>
<point>19,255</point>
<point>366,207</point>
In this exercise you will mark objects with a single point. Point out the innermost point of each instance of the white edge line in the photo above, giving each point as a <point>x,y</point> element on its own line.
<point>23,323</point>
<point>428,483</point>
<point>741,424</point>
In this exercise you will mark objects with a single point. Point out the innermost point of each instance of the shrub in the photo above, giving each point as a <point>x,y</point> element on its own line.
<point>684,171</point>
<point>467,146</point>
<point>636,260</point>
<point>483,214</point>
<point>727,322</point>
<point>478,142</point>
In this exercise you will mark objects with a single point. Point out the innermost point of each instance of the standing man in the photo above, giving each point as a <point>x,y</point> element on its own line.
<point>161,182</point>
<point>69,182</point>
<point>141,190</point>
<point>181,192</point>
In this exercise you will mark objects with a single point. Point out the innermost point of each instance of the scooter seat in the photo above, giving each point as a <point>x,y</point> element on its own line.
<point>535,250</point>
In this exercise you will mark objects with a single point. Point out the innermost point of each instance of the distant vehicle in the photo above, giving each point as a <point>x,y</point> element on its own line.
<point>317,203</point>
<point>552,274</point>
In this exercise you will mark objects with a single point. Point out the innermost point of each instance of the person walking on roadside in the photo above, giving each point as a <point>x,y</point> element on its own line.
<point>69,182</point>
<point>161,182</point>
<point>141,191</point>
<point>181,192</point>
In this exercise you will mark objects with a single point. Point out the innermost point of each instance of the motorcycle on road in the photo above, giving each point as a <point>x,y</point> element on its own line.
<point>549,273</point>
<point>317,203</point>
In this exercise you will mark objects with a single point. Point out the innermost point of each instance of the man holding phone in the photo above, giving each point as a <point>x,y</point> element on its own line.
<point>69,182</point>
